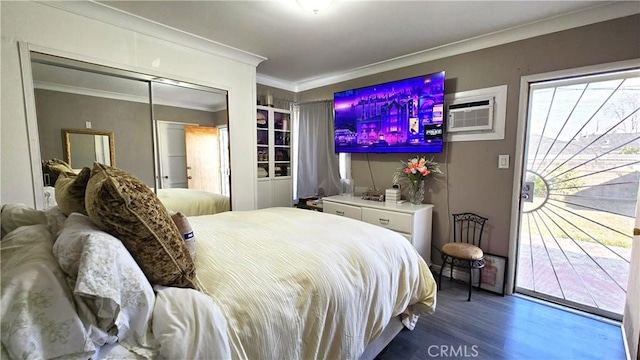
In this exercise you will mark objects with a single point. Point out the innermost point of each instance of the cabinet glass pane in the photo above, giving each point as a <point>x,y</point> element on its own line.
<point>262,117</point>
<point>281,121</point>
<point>263,137</point>
<point>263,154</point>
<point>282,169</point>
<point>282,153</point>
<point>282,137</point>
<point>263,170</point>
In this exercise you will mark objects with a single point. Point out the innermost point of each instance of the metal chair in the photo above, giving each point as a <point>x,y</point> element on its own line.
<point>465,250</point>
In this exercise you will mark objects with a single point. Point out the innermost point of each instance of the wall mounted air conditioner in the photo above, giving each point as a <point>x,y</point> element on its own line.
<point>476,115</point>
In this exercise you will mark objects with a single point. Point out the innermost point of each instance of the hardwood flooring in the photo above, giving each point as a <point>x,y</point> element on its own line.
<point>509,327</point>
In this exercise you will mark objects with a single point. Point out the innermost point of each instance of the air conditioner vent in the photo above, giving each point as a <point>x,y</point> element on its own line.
<point>470,116</point>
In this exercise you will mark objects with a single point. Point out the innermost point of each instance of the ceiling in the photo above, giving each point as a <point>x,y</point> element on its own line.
<point>356,38</point>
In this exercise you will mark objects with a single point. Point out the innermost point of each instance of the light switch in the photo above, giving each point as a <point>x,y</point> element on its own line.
<point>87,124</point>
<point>503,161</point>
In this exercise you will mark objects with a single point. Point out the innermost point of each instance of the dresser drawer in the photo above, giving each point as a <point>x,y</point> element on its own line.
<point>353,212</point>
<point>391,220</point>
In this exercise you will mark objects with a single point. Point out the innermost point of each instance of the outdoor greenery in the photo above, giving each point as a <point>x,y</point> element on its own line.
<point>578,227</point>
<point>629,150</point>
<point>562,182</point>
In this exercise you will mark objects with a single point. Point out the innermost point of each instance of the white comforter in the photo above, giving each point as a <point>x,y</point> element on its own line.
<point>297,284</point>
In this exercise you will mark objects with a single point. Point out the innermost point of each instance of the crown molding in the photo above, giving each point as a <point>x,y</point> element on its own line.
<point>276,83</point>
<point>44,85</point>
<point>600,13</point>
<point>125,20</point>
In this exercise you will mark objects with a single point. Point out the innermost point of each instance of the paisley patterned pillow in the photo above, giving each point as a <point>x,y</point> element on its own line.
<point>70,189</point>
<point>127,208</point>
<point>106,279</point>
<point>38,318</point>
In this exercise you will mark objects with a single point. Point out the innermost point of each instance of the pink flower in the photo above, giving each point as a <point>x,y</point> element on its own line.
<point>406,171</point>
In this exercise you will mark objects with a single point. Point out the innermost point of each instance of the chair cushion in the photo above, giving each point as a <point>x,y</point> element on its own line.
<point>462,251</point>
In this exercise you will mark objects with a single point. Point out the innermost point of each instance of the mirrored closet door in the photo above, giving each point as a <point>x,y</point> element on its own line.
<point>165,132</point>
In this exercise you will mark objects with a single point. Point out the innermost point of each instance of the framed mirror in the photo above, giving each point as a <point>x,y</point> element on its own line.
<point>82,147</point>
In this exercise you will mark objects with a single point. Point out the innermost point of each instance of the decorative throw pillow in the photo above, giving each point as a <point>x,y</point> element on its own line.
<point>185,229</point>
<point>125,207</point>
<point>39,319</point>
<point>54,168</point>
<point>70,189</point>
<point>105,277</point>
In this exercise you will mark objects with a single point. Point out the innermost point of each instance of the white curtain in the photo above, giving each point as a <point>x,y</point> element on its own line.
<point>318,172</point>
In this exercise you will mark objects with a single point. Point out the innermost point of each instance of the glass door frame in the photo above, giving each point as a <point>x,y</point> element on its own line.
<point>522,131</point>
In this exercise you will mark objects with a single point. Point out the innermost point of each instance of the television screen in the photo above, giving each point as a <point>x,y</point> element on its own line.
<point>404,116</point>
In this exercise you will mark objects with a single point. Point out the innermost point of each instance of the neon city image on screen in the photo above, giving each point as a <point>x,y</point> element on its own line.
<point>404,116</point>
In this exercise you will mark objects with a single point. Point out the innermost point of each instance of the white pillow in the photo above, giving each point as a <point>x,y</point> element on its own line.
<point>112,285</point>
<point>15,215</point>
<point>189,325</point>
<point>39,320</point>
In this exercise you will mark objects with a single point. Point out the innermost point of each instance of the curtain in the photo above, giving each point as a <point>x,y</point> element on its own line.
<point>318,173</point>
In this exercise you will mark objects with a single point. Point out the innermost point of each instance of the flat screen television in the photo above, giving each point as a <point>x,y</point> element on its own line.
<point>404,116</point>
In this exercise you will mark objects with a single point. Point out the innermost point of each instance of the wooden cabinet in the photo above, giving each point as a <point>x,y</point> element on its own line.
<point>274,157</point>
<point>411,221</point>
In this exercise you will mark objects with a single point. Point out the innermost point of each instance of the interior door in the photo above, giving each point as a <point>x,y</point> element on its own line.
<point>203,158</point>
<point>173,155</point>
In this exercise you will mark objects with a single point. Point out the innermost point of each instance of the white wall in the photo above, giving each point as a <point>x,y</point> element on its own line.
<point>62,32</point>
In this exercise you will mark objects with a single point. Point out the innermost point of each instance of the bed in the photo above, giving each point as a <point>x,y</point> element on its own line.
<point>192,202</point>
<point>277,283</point>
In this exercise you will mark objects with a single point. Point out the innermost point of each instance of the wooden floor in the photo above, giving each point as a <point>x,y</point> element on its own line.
<point>510,327</point>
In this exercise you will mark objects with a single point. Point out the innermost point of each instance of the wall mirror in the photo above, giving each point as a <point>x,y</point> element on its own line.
<point>84,146</point>
<point>151,117</point>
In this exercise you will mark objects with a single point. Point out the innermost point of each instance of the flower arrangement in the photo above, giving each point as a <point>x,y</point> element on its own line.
<point>416,171</point>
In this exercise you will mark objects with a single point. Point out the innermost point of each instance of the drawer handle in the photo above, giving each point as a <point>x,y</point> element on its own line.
<point>384,221</point>
<point>341,213</point>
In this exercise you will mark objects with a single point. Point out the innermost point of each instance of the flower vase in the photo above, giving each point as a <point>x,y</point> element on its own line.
<point>416,192</point>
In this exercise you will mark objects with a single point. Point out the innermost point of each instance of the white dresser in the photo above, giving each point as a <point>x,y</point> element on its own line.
<point>411,221</point>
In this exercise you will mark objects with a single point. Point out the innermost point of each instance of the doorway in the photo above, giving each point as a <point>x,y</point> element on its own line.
<point>173,156</point>
<point>580,175</point>
<point>203,158</point>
